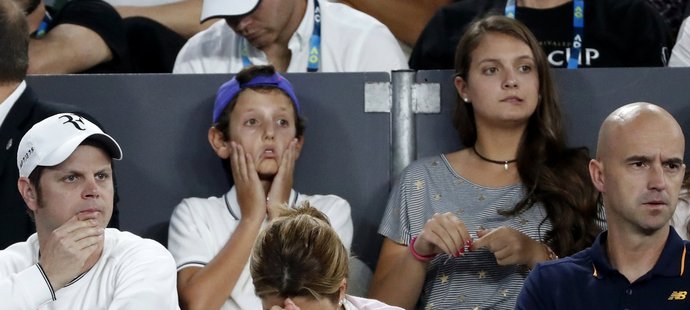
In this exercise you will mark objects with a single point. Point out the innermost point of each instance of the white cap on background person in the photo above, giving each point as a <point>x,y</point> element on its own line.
<point>223,8</point>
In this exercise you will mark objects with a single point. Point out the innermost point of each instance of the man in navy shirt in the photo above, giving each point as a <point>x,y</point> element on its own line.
<point>640,262</point>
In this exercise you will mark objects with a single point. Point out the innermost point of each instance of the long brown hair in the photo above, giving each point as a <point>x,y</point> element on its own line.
<point>299,254</point>
<point>553,174</point>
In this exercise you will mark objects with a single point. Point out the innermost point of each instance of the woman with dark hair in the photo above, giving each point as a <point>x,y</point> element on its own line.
<point>299,262</point>
<point>466,227</point>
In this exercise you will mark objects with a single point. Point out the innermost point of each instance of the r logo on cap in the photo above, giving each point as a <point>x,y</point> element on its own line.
<point>71,120</point>
<point>52,140</point>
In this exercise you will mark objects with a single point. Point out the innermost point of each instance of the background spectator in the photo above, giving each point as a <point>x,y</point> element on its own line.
<point>292,36</point>
<point>613,34</point>
<point>58,38</point>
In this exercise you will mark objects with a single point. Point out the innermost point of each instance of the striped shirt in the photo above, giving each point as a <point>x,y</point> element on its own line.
<point>475,280</point>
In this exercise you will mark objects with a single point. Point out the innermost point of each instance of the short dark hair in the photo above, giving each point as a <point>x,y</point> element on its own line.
<point>14,42</point>
<point>244,76</point>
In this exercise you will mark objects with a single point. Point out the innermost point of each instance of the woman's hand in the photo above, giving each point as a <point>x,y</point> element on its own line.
<point>510,246</point>
<point>443,233</point>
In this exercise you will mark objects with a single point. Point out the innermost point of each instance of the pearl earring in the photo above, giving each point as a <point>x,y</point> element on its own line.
<point>465,100</point>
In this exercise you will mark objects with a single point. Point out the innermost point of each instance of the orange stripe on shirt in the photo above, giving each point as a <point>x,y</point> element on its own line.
<point>682,261</point>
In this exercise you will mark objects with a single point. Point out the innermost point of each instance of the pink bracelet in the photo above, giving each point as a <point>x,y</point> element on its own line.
<point>419,257</point>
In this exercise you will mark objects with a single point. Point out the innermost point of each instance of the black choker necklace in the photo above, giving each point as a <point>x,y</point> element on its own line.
<point>498,162</point>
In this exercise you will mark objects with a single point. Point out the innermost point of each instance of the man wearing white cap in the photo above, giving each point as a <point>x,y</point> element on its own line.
<point>73,261</point>
<point>292,35</point>
<point>20,108</point>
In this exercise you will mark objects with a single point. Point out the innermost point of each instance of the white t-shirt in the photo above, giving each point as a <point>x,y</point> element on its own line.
<point>200,228</point>
<point>351,41</point>
<point>132,273</point>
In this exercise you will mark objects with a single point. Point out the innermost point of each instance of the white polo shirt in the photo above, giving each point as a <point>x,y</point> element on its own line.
<point>132,273</point>
<point>351,41</point>
<point>200,228</point>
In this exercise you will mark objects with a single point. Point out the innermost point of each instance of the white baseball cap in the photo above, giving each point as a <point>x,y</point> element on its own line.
<point>52,140</point>
<point>223,8</point>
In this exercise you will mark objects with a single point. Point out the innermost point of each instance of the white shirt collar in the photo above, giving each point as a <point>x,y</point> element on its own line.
<point>234,206</point>
<point>300,39</point>
<point>7,105</point>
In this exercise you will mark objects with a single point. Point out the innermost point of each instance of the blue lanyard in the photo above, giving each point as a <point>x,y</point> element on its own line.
<point>314,59</point>
<point>578,28</point>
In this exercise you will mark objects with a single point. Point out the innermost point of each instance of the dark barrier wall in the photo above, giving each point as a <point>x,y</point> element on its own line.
<point>161,122</point>
<point>587,96</point>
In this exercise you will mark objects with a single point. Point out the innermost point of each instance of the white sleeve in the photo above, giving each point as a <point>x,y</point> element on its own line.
<point>198,53</point>
<point>27,289</point>
<point>187,61</point>
<point>146,279</point>
<point>379,50</point>
<point>680,217</point>
<point>186,240</point>
<point>680,57</point>
<point>338,211</point>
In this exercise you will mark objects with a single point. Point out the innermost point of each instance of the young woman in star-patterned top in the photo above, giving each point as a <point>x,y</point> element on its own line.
<point>466,227</point>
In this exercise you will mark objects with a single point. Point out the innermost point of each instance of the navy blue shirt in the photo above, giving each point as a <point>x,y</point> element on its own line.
<point>587,280</point>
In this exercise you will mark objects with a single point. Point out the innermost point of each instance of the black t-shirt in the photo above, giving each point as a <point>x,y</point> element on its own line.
<point>101,18</point>
<point>617,33</point>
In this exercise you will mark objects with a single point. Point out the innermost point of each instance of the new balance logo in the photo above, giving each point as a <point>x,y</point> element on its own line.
<point>678,295</point>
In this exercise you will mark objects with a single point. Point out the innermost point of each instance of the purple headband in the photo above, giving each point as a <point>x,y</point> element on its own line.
<point>232,88</point>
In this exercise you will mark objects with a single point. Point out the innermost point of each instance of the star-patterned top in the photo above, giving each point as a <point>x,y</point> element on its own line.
<point>474,280</point>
